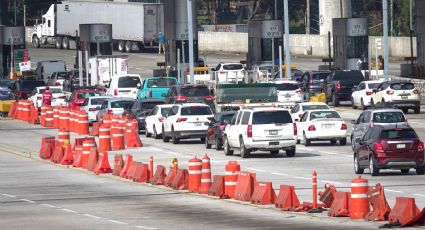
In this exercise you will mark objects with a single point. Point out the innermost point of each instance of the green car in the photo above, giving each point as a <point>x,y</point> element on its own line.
<point>155,87</point>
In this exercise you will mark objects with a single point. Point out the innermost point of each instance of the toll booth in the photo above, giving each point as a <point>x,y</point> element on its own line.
<point>420,38</point>
<point>264,39</point>
<point>176,33</point>
<point>350,43</point>
<point>12,50</point>
<point>96,39</point>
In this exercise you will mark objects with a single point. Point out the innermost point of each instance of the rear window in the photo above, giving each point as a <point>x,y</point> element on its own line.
<point>194,91</point>
<point>120,104</point>
<point>373,85</point>
<point>271,117</point>
<point>398,134</point>
<point>402,86</point>
<point>314,107</point>
<point>161,83</point>
<point>287,87</point>
<point>128,82</point>
<point>164,111</point>
<point>195,110</point>
<point>87,95</point>
<point>324,114</point>
<point>319,77</point>
<point>233,67</point>
<point>227,117</point>
<point>32,84</point>
<point>97,101</point>
<point>150,105</point>
<point>388,117</point>
<point>62,75</point>
<point>348,75</point>
<point>5,83</point>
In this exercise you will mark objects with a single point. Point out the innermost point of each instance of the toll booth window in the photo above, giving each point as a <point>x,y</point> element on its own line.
<point>357,47</point>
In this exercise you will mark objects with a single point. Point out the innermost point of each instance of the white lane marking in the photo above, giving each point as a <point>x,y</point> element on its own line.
<point>48,205</point>
<point>280,174</point>
<point>174,153</point>
<point>300,177</point>
<point>324,152</point>
<point>8,195</point>
<point>418,194</point>
<point>331,182</point>
<point>395,191</point>
<point>157,149</point>
<point>258,170</point>
<point>91,216</point>
<point>117,222</point>
<point>144,227</point>
<point>68,210</point>
<point>29,201</point>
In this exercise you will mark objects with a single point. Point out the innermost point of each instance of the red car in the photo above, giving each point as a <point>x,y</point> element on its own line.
<point>389,147</point>
<point>79,96</point>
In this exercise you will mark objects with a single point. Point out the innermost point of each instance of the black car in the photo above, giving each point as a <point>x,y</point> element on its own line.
<point>189,93</point>
<point>341,84</point>
<point>140,109</point>
<point>216,128</point>
<point>4,88</point>
<point>73,81</point>
<point>22,89</point>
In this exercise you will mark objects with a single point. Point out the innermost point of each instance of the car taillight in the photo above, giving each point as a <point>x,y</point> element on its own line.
<point>311,128</point>
<point>420,146</point>
<point>39,98</point>
<point>369,93</point>
<point>416,91</point>
<point>222,126</point>
<point>116,92</point>
<point>93,109</point>
<point>181,119</point>
<point>161,119</point>
<point>343,127</point>
<point>338,85</point>
<point>379,147</point>
<point>390,92</point>
<point>150,93</point>
<point>295,128</point>
<point>208,98</point>
<point>109,111</point>
<point>181,98</point>
<point>249,131</point>
<point>222,72</point>
<point>299,91</point>
<point>57,84</point>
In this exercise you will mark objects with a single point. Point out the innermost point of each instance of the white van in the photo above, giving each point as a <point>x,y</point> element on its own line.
<point>124,85</point>
<point>45,69</point>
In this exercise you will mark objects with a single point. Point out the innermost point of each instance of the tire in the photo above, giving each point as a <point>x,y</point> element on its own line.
<point>218,144</point>
<point>174,138</point>
<point>274,152</point>
<point>147,134</point>
<point>362,107</point>
<point>121,46</point>
<point>353,143</point>
<point>417,109</point>
<point>306,141</point>
<point>128,46</point>
<point>35,42</point>
<point>353,106</point>
<point>298,141</point>
<point>227,150</point>
<point>357,168</point>
<point>335,100</point>
<point>420,170</point>
<point>59,43</point>
<point>164,137</point>
<point>243,150</point>
<point>343,141</point>
<point>333,142</point>
<point>372,167</point>
<point>404,171</point>
<point>202,139</point>
<point>207,145</point>
<point>290,152</point>
<point>383,103</point>
<point>155,134</point>
<point>65,43</point>
<point>372,103</point>
<point>405,111</point>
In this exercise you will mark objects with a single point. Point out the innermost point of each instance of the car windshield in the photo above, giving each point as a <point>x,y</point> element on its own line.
<point>97,101</point>
<point>398,134</point>
<point>62,75</point>
<point>82,95</point>
<point>271,117</point>
<point>233,67</point>
<point>402,86</point>
<point>314,107</point>
<point>388,117</point>
<point>227,117</point>
<point>164,111</point>
<point>319,77</point>
<point>348,75</point>
<point>52,90</point>
<point>149,105</point>
<point>120,104</point>
<point>161,83</point>
<point>324,114</point>
<point>287,86</point>
<point>195,110</point>
<point>194,91</point>
<point>32,84</point>
<point>128,82</point>
<point>373,85</point>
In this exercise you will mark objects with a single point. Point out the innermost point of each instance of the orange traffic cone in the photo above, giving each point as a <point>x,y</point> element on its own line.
<point>206,175</point>
<point>103,164</point>
<point>68,157</point>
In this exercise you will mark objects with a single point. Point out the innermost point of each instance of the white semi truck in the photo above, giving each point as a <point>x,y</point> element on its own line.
<point>133,24</point>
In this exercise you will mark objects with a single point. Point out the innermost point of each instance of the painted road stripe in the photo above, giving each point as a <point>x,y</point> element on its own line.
<point>11,196</point>
<point>48,205</point>
<point>280,174</point>
<point>396,191</point>
<point>29,201</point>
<point>68,210</point>
<point>418,194</point>
<point>144,227</point>
<point>258,170</point>
<point>91,216</point>
<point>117,222</point>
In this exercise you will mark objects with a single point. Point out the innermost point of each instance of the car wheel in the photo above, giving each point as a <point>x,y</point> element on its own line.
<point>147,134</point>
<point>372,103</point>
<point>333,142</point>
<point>243,150</point>
<point>352,104</point>
<point>306,141</point>
<point>298,141</point>
<point>374,171</point>
<point>121,46</point>
<point>353,143</point>
<point>420,170</point>
<point>417,109</point>
<point>65,43</point>
<point>59,43</point>
<point>357,168</point>
<point>290,152</point>
<point>274,152</point>
<point>174,138</point>
<point>405,110</point>
<point>128,46</point>
<point>362,107</point>
<point>207,144</point>
<point>404,171</point>
<point>227,150</point>
<point>35,42</point>
<point>383,103</point>
<point>335,100</point>
<point>164,137</point>
<point>343,141</point>
<point>218,144</point>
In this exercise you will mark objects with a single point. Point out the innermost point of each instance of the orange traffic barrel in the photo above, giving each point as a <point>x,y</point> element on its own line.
<point>88,144</point>
<point>117,133</point>
<point>63,136</point>
<point>64,118</point>
<point>19,110</point>
<point>104,138</point>
<point>83,123</point>
<point>56,117</point>
<point>49,117</point>
<point>230,178</point>
<point>206,175</point>
<point>71,122</point>
<point>107,120</point>
<point>195,166</point>
<point>43,115</point>
<point>359,205</point>
<point>26,110</point>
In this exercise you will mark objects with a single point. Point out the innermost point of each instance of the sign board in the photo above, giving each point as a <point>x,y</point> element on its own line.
<point>182,31</point>
<point>13,35</point>
<point>378,43</point>
<point>357,27</point>
<point>25,66</point>
<point>271,29</point>
<point>101,32</point>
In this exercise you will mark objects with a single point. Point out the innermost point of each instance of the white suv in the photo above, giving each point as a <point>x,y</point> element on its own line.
<point>404,95</point>
<point>267,129</point>
<point>189,120</point>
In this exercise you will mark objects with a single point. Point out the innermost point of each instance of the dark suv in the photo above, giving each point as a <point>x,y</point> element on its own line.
<point>389,147</point>
<point>340,85</point>
<point>140,110</point>
<point>312,82</point>
<point>22,89</point>
<point>189,93</point>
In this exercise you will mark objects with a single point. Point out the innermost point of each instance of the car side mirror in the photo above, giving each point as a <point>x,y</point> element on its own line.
<point>374,90</point>
<point>353,122</point>
<point>296,119</point>
<point>212,69</point>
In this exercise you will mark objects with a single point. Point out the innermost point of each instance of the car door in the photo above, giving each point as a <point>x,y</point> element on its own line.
<point>364,149</point>
<point>149,120</point>
<point>171,118</point>
<point>358,93</point>
<point>231,131</point>
<point>377,96</point>
<point>301,125</point>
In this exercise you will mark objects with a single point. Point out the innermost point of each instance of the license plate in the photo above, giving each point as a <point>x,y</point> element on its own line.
<point>401,146</point>
<point>327,126</point>
<point>198,123</point>
<point>274,143</point>
<point>273,132</point>
<point>288,96</point>
<point>403,97</point>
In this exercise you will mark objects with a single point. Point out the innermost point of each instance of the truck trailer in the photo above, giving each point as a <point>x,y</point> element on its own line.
<point>133,24</point>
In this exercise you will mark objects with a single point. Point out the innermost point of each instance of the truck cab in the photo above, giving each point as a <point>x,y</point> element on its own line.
<point>46,29</point>
<point>155,87</point>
